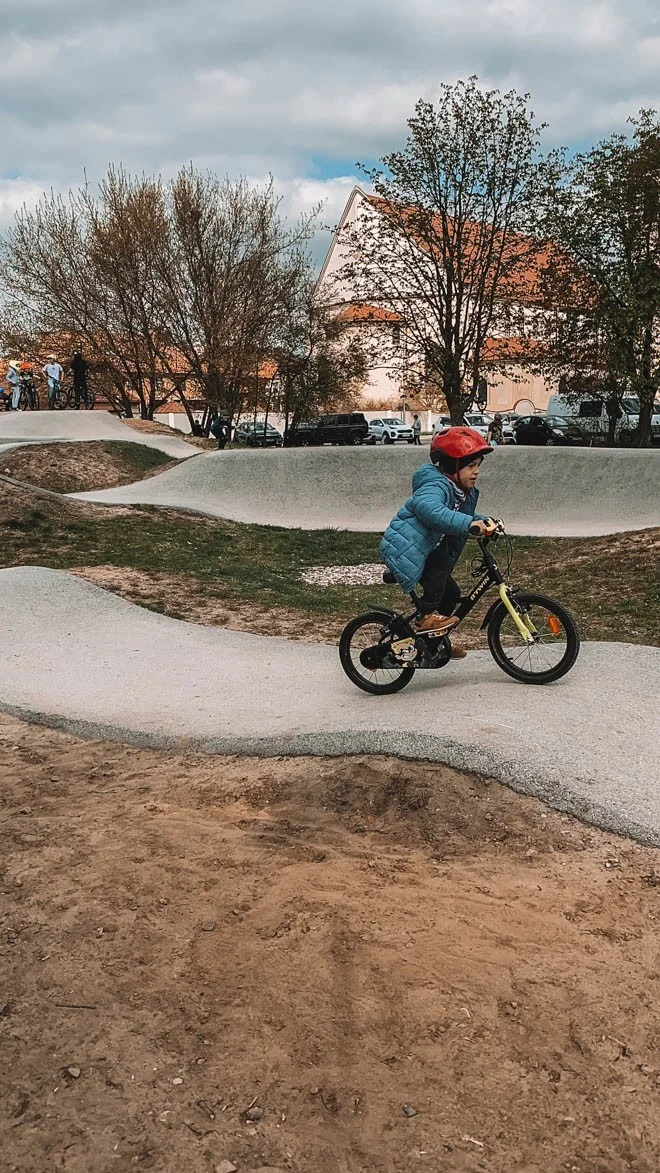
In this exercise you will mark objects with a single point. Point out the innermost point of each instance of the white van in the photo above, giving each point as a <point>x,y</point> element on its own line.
<point>591,415</point>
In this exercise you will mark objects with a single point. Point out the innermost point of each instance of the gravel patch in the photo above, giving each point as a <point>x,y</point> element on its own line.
<point>365,575</point>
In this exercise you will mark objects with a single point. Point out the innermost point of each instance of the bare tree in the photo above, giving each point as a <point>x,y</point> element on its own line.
<point>83,268</point>
<point>222,281</point>
<point>126,230</point>
<point>445,243</point>
<point>318,368</point>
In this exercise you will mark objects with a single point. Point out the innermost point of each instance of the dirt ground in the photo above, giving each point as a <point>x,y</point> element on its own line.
<point>319,965</point>
<point>155,429</point>
<point>181,597</point>
<point>77,468</point>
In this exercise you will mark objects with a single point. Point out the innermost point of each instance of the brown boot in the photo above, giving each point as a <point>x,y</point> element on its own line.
<point>438,624</point>
<point>458,652</point>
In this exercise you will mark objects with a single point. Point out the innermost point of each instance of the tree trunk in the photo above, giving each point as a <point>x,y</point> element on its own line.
<point>452,393</point>
<point>181,396</point>
<point>643,432</point>
<point>613,412</point>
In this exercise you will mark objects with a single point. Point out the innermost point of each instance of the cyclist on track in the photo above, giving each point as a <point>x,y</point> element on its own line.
<point>423,543</point>
<point>54,374</point>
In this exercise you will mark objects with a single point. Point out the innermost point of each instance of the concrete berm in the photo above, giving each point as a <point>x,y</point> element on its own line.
<point>48,427</point>
<point>541,491</point>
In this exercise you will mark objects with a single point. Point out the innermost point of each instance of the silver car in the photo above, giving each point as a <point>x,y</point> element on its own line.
<point>390,429</point>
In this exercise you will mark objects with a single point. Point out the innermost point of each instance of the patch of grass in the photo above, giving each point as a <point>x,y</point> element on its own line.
<point>72,468</point>
<point>138,457</point>
<point>611,584</point>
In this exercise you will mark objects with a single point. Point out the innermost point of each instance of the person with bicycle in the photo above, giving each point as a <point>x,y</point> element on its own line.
<point>423,543</point>
<point>14,382</point>
<point>54,374</point>
<point>79,369</point>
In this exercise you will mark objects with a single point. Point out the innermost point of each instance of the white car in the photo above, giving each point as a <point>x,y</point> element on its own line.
<point>390,430</point>
<point>479,422</point>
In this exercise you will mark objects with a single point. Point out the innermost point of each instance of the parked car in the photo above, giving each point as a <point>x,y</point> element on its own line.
<point>548,429</point>
<point>479,421</point>
<point>390,430</point>
<point>257,435</point>
<point>331,429</point>
<point>591,416</point>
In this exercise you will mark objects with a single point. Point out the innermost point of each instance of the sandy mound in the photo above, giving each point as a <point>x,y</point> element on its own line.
<point>316,965</point>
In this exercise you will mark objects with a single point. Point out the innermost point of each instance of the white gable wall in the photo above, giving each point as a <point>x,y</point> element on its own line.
<point>383,383</point>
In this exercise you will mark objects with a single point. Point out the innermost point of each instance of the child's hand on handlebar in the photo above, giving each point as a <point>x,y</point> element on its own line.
<point>486,528</point>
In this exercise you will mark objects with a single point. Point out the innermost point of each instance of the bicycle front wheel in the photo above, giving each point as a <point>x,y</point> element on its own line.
<point>86,400</point>
<point>365,655</point>
<point>554,647</point>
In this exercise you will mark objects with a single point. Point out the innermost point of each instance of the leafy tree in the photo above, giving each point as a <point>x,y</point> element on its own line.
<point>444,242</point>
<point>603,212</point>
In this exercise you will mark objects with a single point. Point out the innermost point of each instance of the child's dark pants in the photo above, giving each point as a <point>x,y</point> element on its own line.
<point>441,593</point>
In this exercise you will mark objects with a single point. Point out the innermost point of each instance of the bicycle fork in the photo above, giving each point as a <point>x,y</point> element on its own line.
<point>523,623</point>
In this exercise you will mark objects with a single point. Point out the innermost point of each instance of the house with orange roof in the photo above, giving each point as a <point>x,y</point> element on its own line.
<point>510,381</point>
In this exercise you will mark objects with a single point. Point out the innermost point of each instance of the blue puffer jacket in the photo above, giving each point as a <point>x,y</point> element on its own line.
<point>434,513</point>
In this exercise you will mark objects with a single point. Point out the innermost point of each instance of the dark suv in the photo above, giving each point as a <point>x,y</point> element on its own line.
<point>330,429</point>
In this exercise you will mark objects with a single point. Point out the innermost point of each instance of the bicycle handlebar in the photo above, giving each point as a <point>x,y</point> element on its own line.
<point>496,531</point>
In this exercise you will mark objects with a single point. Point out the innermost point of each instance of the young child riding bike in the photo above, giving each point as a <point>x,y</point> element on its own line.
<point>423,543</point>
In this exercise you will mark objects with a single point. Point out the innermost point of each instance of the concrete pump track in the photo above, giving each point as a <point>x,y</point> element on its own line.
<point>79,658</point>
<point>570,492</point>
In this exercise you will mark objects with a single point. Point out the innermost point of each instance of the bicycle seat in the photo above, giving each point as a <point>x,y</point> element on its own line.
<point>388,577</point>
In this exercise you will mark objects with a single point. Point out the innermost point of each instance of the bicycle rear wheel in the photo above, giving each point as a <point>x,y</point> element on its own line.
<point>365,655</point>
<point>555,645</point>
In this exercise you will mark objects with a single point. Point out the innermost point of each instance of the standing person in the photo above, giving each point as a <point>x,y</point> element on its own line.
<point>417,431</point>
<point>220,429</point>
<point>54,373</point>
<point>496,431</point>
<point>79,369</point>
<point>14,382</point>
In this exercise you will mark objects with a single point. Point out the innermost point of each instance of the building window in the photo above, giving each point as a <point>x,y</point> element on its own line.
<point>396,335</point>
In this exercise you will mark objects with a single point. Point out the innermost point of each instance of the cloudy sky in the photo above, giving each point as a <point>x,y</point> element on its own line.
<point>299,88</point>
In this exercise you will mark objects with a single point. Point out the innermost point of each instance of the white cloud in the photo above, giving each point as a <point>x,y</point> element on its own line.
<point>14,193</point>
<point>300,89</point>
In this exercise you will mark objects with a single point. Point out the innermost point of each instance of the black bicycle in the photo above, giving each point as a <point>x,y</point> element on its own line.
<point>531,637</point>
<point>86,397</point>
<point>28,399</point>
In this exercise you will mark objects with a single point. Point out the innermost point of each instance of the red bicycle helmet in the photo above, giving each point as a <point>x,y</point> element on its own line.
<point>456,447</point>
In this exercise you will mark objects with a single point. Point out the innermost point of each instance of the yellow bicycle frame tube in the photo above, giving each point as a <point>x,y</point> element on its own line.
<point>520,624</point>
